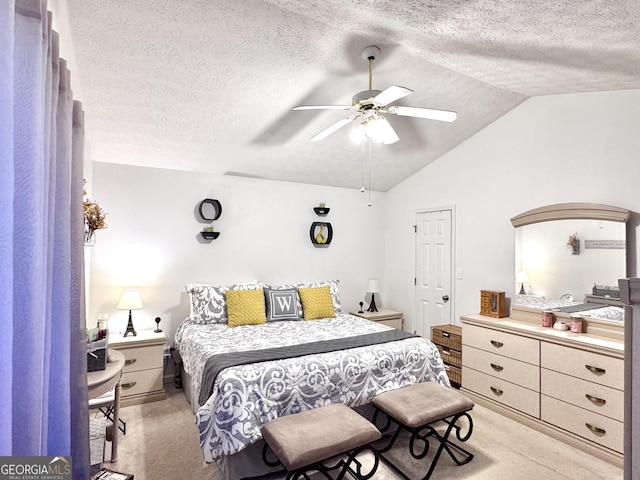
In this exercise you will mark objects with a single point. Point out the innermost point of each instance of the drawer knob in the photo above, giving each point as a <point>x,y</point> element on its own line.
<point>446,352</point>
<point>446,334</point>
<point>595,370</point>
<point>496,391</point>
<point>596,400</point>
<point>130,361</point>
<point>597,431</point>
<point>496,343</point>
<point>128,385</point>
<point>497,368</point>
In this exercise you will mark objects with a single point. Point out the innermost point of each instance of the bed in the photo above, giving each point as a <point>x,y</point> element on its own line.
<point>231,408</point>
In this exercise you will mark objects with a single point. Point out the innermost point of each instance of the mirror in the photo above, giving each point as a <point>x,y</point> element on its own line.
<point>569,254</point>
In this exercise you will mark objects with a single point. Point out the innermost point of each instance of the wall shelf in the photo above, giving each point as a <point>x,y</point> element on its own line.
<point>210,235</point>
<point>210,209</point>
<point>321,211</point>
<point>318,236</point>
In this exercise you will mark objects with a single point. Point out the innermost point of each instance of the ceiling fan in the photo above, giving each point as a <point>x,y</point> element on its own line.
<point>368,106</point>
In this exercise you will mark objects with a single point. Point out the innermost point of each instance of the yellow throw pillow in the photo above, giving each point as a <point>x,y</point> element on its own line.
<point>245,307</point>
<point>317,303</point>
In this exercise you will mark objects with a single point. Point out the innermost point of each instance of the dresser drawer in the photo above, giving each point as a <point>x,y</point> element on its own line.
<point>506,344</point>
<point>514,371</point>
<point>143,381</point>
<point>142,358</point>
<point>451,357</point>
<point>588,395</point>
<point>589,366</point>
<point>510,394</point>
<point>597,428</point>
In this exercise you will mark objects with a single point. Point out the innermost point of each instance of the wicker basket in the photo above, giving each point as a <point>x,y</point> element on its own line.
<point>445,338</point>
<point>455,374</point>
<point>451,357</point>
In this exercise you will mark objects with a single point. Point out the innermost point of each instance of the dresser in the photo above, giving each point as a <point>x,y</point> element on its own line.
<point>387,317</point>
<point>448,339</point>
<point>567,385</point>
<point>142,376</point>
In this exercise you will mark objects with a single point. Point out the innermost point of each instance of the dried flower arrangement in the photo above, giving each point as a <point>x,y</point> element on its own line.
<point>573,240</point>
<point>94,217</point>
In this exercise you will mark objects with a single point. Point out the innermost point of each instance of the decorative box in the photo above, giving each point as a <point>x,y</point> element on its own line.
<point>493,304</point>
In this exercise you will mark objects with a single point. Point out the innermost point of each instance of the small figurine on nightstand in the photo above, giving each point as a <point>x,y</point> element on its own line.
<point>361,305</point>
<point>157,330</point>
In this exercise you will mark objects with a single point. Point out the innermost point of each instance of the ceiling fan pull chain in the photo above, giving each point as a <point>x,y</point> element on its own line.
<point>369,204</point>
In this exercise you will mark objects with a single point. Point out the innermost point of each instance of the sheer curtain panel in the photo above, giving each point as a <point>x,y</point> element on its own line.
<point>43,389</point>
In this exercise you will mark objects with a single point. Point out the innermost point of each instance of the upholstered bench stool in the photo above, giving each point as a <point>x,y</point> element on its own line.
<point>416,409</point>
<point>324,439</point>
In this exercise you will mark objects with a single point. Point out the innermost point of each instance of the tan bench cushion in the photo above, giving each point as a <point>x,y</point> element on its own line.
<point>422,403</point>
<point>308,437</point>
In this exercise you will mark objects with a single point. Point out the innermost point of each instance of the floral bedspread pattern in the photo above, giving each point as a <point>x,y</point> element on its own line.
<point>248,396</point>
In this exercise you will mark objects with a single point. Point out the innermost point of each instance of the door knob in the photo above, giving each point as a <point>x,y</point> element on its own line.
<point>445,298</point>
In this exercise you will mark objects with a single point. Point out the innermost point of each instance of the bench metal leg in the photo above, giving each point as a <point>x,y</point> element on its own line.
<point>351,465</point>
<point>421,436</point>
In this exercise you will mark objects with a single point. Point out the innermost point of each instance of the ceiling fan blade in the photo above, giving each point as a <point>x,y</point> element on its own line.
<point>429,113</point>
<point>390,95</point>
<point>322,107</point>
<point>332,128</point>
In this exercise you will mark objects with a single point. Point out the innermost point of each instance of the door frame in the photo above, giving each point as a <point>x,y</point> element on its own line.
<point>452,273</point>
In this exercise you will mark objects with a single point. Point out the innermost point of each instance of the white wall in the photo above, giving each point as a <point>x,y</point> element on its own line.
<point>152,239</point>
<point>555,149</point>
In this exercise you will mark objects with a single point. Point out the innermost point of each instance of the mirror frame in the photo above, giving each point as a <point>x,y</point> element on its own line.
<point>571,211</point>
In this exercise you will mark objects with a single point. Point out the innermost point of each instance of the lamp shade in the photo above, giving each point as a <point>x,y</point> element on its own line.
<point>522,277</point>
<point>373,286</point>
<point>130,300</point>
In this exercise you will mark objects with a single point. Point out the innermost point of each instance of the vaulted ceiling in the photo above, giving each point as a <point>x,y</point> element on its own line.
<point>208,85</point>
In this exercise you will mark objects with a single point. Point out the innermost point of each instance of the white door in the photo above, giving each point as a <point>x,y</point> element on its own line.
<point>433,271</point>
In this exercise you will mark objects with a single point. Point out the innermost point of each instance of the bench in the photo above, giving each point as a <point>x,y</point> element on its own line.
<point>324,439</point>
<point>417,409</point>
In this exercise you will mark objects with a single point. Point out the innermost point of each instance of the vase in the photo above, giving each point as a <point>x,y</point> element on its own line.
<point>575,249</point>
<point>89,237</point>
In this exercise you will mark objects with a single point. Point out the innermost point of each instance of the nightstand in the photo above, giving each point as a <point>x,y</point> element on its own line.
<point>448,339</point>
<point>387,317</point>
<point>142,376</point>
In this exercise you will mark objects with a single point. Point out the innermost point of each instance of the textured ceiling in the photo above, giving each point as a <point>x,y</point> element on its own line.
<point>208,85</point>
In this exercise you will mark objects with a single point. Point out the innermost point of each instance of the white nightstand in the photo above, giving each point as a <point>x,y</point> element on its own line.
<point>388,317</point>
<point>142,376</point>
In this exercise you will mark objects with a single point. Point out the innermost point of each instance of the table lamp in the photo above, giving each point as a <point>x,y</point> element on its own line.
<point>523,278</point>
<point>373,287</point>
<point>130,300</point>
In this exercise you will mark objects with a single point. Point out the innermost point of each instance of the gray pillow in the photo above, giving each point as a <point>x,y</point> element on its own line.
<point>282,304</point>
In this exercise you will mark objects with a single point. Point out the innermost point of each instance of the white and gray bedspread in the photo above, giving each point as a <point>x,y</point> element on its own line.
<point>248,396</point>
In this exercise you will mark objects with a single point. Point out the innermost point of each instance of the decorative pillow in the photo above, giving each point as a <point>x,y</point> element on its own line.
<point>282,304</point>
<point>245,307</point>
<point>208,303</point>
<point>333,285</point>
<point>317,303</point>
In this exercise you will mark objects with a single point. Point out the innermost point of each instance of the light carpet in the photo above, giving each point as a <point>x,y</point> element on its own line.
<point>162,444</point>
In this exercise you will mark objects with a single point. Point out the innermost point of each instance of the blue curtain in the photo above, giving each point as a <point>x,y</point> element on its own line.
<point>43,389</point>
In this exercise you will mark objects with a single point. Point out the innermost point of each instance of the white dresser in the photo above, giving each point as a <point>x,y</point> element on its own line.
<point>567,385</point>
<point>142,376</point>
